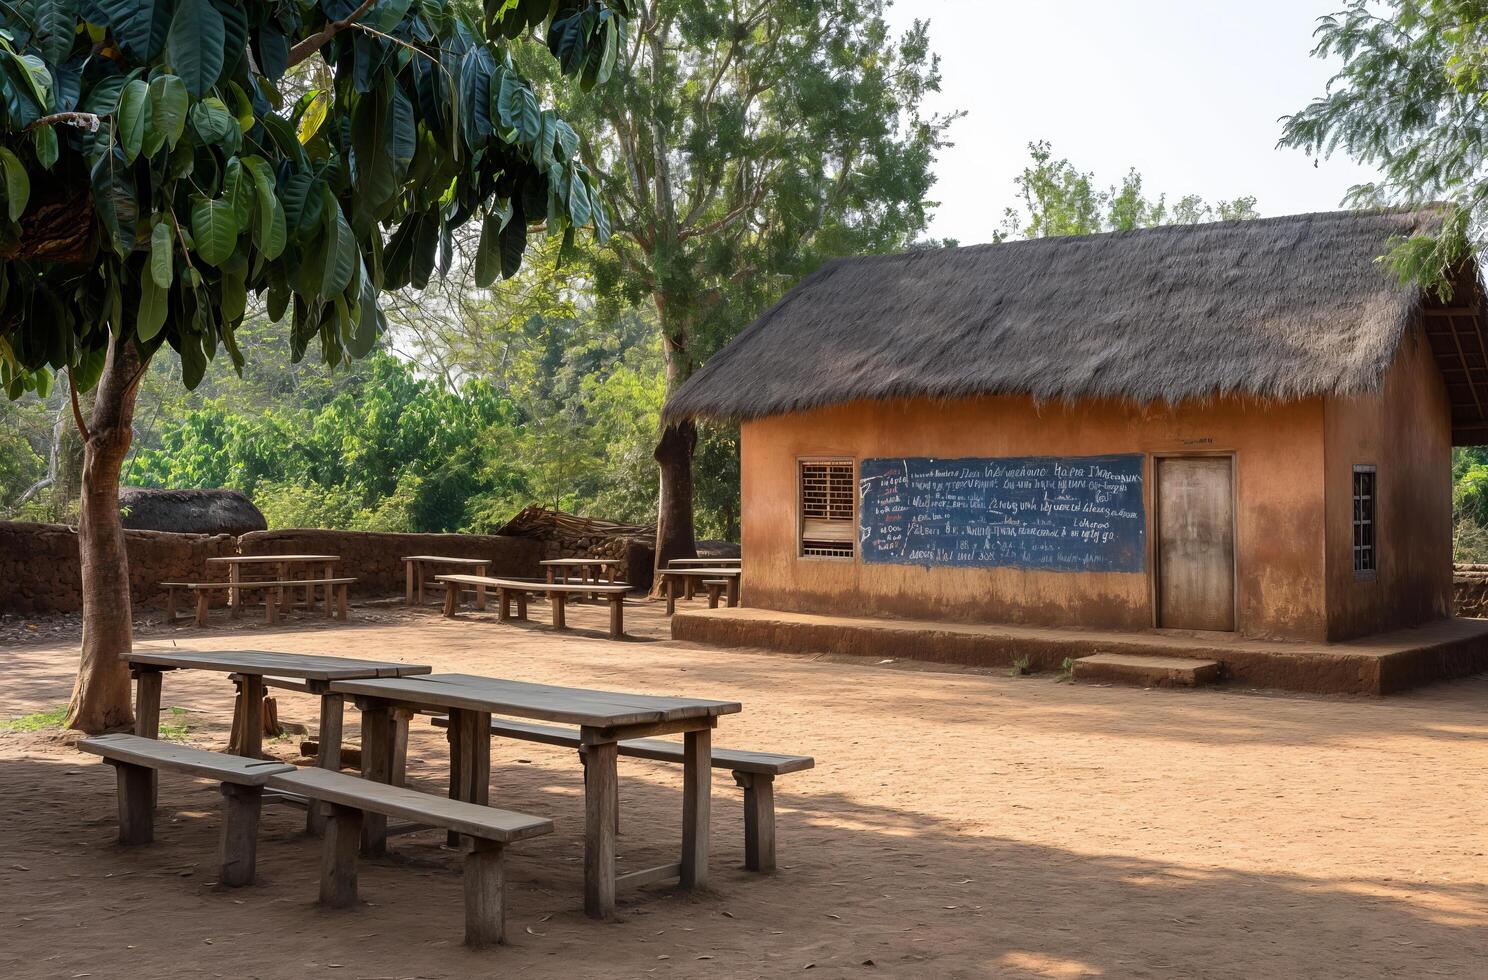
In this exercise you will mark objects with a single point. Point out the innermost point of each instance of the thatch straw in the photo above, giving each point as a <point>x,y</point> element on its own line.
<point>1278,308</point>
<point>189,511</point>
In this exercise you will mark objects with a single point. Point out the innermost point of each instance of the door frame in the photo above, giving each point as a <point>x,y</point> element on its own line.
<point>1155,583</point>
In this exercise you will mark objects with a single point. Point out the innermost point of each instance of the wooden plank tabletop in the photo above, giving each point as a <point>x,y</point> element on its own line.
<point>546,702</point>
<point>268,662</point>
<point>249,559</point>
<point>704,572</point>
<point>705,562</point>
<point>448,560</point>
<point>574,562</point>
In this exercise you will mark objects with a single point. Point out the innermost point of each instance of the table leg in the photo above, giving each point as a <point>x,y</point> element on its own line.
<point>281,592</point>
<point>398,765</point>
<point>456,767</point>
<point>549,571</point>
<point>147,702</point>
<point>697,783</point>
<point>408,583</point>
<point>147,715</point>
<point>733,591</point>
<point>420,583</point>
<point>690,587</point>
<point>234,576</point>
<point>330,573</point>
<point>328,754</point>
<point>473,752</point>
<point>601,790</point>
<point>480,598</point>
<point>671,594</point>
<point>376,765</point>
<point>248,717</point>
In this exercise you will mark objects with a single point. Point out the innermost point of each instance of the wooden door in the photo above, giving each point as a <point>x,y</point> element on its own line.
<point>1195,543</point>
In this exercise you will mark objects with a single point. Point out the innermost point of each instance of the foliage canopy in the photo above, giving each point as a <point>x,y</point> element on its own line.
<point>155,174</point>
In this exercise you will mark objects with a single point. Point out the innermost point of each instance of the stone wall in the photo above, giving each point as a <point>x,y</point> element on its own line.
<point>39,570</point>
<point>375,559</point>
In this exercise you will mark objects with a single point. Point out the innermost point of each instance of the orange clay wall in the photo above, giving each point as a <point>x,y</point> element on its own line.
<point>1404,432</point>
<point>1279,466</point>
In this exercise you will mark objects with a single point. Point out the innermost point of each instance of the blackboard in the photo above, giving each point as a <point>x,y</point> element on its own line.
<point>1066,514</point>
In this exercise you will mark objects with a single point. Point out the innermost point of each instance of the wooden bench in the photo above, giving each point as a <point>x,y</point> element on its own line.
<point>203,591</point>
<point>488,830</point>
<point>716,588</point>
<point>509,589</point>
<point>754,772</point>
<point>135,760</point>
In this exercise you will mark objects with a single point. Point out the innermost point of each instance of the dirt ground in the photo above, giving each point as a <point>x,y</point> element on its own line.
<point>958,824</point>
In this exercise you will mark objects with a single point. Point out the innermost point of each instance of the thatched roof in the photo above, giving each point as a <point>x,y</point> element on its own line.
<point>1275,308</point>
<point>189,511</point>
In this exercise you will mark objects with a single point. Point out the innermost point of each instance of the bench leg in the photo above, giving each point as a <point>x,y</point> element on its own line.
<point>451,598</point>
<point>328,755</point>
<point>480,598</point>
<point>338,857</point>
<point>522,605</point>
<point>201,607</point>
<point>170,605</point>
<point>560,603</point>
<point>671,595</point>
<point>601,787</point>
<point>713,592</point>
<point>136,803</point>
<point>697,785</point>
<point>759,819</point>
<point>691,589</point>
<point>238,852</point>
<point>272,598</point>
<point>617,617</point>
<point>408,583</point>
<point>342,603</point>
<point>485,898</point>
<point>503,605</point>
<point>733,592</point>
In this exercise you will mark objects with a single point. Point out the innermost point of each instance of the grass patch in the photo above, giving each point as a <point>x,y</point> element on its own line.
<point>39,722</point>
<point>1020,668</point>
<point>174,727</point>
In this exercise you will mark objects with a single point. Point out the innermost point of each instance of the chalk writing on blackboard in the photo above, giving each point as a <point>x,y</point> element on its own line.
<point>1067,514</point>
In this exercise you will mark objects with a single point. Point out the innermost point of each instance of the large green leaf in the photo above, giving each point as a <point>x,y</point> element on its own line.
<point>269,226</point>
<point>138,25</point>
<point>488,254</point>
<point>513,244</point>
<point>17,184</point>
<point>153,309</point>
<point>194,46</point>
<point>214,229</point>
<point>162,254</point>
<point>237,190</point>
<point>215,124</point>
<point>517,107</point>
<point>342,253</point>
<point>168,105</point>
<point>134,117</point>
<point>56,26</point>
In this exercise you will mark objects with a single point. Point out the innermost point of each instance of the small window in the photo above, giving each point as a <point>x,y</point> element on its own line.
<point>1365,553</point>
<point>829,528</point>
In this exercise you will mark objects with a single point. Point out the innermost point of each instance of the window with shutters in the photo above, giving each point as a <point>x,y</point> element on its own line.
<point>829,527</point>
<point>1365,555</point>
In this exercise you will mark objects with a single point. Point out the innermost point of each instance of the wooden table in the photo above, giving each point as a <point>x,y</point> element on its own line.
<point>414,565</point>
<point>561,566</point>
<point>604,719</point>
<point>689,575</point>
<point>704,563</point>
<point>286,565</point>
<point>249,668</point>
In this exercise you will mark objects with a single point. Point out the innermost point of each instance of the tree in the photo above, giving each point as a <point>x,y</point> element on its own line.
<point>759,136</point>
<point>1060,199</point>
<point>173,178</point>
<point>1412,101</point>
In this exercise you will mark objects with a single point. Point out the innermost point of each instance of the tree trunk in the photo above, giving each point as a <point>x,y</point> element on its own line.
<point>675,534</point>
<point>100,697</point>
<point>675,537</point>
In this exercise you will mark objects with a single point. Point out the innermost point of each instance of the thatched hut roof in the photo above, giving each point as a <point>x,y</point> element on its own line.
<point>189,511</point>
<point>1279,308</point>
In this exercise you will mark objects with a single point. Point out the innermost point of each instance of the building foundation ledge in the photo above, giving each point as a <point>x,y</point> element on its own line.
<point>1375,665</point>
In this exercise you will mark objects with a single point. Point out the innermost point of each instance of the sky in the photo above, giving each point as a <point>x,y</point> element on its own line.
<point>1187,91</point>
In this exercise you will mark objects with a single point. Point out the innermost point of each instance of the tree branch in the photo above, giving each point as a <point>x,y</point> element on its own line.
<point>86,121</point>
<point>77,411</point>
<point>322,37</point>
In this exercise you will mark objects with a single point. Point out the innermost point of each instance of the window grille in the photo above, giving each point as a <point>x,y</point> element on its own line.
<point>1365,553</point>
<point>828,519</point>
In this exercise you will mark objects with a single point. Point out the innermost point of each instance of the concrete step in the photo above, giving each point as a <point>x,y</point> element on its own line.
<point>1143,671</point>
